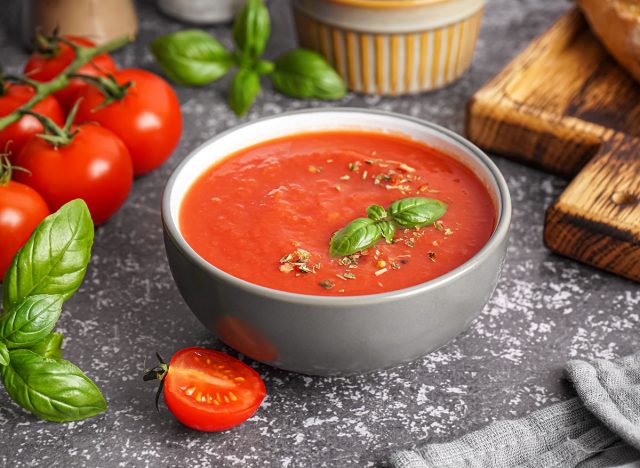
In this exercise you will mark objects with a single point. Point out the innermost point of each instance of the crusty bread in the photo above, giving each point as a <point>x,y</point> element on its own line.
<point>617,24</point>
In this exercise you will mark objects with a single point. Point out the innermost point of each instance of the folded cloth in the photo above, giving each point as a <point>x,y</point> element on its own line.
<point>599,428</point>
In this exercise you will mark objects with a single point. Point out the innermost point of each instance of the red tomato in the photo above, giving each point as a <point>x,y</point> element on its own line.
<point>211,391</point>
<point>95,166</point>
<point>18,133</point>
<point>148,118</point>
<point>21,210</point>
<point>44,68</point>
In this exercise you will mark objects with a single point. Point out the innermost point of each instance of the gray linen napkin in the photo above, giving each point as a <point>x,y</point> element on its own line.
<point>600,428</point>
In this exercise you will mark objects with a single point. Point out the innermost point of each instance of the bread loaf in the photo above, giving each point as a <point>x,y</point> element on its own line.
<point>617,24</point>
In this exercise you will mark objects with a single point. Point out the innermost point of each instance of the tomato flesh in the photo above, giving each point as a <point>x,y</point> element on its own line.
<point>211,391</point>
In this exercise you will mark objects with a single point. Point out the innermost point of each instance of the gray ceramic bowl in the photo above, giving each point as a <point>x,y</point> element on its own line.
<point>334,335</point>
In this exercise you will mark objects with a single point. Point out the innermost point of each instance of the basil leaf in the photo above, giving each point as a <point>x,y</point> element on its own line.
<point>244,89</point>
<point>263,67</point>
<point>417,211</point>
<point>251,30</point>
<point>31,320</point>
<point>358,235</point>
<point>302,73</point>
<point>52,389</point>
<point>50,346</point>
<point>191,57</point>
<point>376,212</point>
<point>4,354</point>
<point>388,230</point>
<point>54,259</point>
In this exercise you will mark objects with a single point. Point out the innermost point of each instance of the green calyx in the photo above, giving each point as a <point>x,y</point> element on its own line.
<point>157,373</point>
<point>48,46</point>
<point>53,133</point>
<point>6,168</point>
<point>108,85</point>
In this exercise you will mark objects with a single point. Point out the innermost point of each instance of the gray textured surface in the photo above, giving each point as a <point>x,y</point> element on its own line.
<point>546,310</point>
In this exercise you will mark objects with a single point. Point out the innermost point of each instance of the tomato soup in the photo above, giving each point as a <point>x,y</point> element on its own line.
<point>266,214</point>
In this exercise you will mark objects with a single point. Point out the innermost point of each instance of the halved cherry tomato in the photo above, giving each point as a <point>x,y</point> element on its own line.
<point>147,118</point>
<point>21,210</point>
<point>211,391</point>
<point>42,67</point>
<point>94,166</point>
<point>17,134</point>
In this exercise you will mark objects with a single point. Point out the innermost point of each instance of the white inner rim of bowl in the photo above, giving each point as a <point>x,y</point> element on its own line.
<point>249,135</point>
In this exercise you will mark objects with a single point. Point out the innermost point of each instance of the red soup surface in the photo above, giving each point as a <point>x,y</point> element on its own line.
<point>266,214</point>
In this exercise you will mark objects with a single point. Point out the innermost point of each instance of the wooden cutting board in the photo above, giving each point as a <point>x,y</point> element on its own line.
<point>564,105</point>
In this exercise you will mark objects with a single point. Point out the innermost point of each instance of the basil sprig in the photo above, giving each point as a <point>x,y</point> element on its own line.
<point>195,58</point>
<point>362,233</point>
<point>45,272</point>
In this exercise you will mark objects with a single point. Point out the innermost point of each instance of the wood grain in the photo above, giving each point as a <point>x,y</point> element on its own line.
<point>597,218</point>
<point>552,106</point>
<point>564,105</point>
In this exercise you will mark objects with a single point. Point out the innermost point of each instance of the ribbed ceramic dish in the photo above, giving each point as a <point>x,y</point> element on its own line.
<point>392,47</point>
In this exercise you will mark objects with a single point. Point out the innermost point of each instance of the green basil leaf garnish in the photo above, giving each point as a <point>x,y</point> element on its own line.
<point>376,212</point>
<point>417,211</point>
<point>302,73</point>
<point>191,57</point>
<point>54,259</point>
<point>251,30</point>
<point>50,346</point>
<point>388,230</point>
<point>31,320</point>
<point>358,235</point>
<point>362,233</point>
<point>52,389</point>
<point>244,89</point>
<point>4,354</point>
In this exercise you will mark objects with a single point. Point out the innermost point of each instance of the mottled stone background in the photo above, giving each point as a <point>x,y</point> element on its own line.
<point>546,309</point>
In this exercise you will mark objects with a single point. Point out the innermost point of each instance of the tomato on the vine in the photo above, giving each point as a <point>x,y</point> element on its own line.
<point>21,210</point>
<point>13,137</point>
<point>93,164</point>
<point>208,390</point>
<point>46,65</point>
<point>145,114</point>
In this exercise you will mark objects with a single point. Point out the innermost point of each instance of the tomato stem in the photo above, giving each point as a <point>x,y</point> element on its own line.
<point>21,80</point>
<point>6,168</point>
<point>157,373</point>
<point>47,46</point>
<point>54,134</point>
<point>83,55</point>
<point>108,85</point>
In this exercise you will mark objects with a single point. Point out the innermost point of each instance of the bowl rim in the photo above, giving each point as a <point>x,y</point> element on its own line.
<point>501,230</point>
<point>386,4</point>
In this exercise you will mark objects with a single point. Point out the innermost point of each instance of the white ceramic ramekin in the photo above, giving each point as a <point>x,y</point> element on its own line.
<point>392,47</point>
